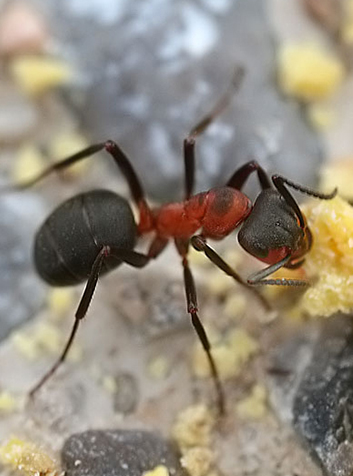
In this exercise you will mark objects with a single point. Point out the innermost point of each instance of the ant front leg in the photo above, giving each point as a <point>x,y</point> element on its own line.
<point>189,142</point>
<point>259,278</point>
<point>132,258</point>
<point>200,244</point>
<point>192,308</point>
<point>281,182</point>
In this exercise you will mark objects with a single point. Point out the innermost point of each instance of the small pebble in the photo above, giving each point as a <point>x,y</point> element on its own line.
<point>118,453</point>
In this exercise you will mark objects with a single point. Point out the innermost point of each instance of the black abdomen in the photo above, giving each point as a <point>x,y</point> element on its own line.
<point>69,240</point>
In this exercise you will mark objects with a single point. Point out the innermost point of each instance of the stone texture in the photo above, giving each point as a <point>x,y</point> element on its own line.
<point>149,71</point>
<point>21,291</point>
<point>117,453</point>
<point>312,389</point>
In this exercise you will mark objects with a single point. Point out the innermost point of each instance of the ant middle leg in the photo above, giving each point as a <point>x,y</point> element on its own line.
<point>192,308</point>
<point>200,244</point>
<point>242,174</point>
<point>130,257</point>
<point>189,142</point>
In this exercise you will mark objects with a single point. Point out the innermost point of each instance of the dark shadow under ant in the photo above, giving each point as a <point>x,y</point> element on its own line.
<point>94,232</point>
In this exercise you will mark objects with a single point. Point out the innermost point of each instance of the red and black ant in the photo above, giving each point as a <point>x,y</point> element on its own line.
<point>94,232</point>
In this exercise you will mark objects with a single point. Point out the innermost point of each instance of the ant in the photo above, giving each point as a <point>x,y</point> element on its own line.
<point>93,233</point>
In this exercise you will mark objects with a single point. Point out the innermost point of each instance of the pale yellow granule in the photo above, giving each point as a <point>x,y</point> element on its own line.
<point>159,367</point>
<point>159,470</point>
<point>27,458</point>
<point>28,164</point>
<point>347,26</point>
<point>8,403</point>
<point>235,306</point>
<point>38,74</point>
<point>68,143</point>
<point>109,384</point>
<point>307,71</point>
<point>61,302</point>
<point>197,461</point>
<point>229,355</point>
<point>321,116</point>
<point>193,426</point>
<point>219,284</point>
<point>338,174</point>
<point>254,406</point>
<point>330,260</point>
<point>44,338</point>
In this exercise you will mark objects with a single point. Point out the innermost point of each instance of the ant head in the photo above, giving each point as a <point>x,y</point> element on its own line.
<point>272,230</point>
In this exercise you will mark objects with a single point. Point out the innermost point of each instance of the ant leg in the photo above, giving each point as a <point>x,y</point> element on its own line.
<point>130,257</point>
<point>281,182</point>
<point>157,246</point>
<point>241,175</point>
<point>116,153</point>
<point>200,244</point>
<point>189,142</point>
<point>258,279</point>
<point>191,298</point>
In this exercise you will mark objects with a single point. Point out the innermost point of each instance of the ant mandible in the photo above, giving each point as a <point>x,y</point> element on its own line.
<point>92,233</point>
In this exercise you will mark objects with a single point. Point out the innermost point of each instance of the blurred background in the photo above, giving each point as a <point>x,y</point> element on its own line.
<point>143,73</point>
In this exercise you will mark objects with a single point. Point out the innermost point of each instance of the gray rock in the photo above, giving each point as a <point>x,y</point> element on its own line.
<point>151,70</point>
<point>21,292</point>
<point>323,407</point>
<point>117,453</point>
<point>316,391</point>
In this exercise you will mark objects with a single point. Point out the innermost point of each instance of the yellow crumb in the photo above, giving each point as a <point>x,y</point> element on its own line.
<point>254,406</point>
<point>229,355</point>
<point>28,164</point>
<point>193,426</point>
<point>235,306</point>
<point>330,260</point>
<point>234,257</point>
<point>198,258</point>
<point>197,461</point>
<point>159,367</point>
<point>61,302</point>
<point>218,283</point>
<point>25,345</point>
<point>226,362</point>
<point>65,144</point>
<point>159,470</point>
<point>338,174</point>
<point>109,384</point>
<point>38,74</point>
<point>321,116</point>
<point>8,403</point>
<point>27,458</point>
<point>347,26</point>
<point>307,71</point>
<point>242,344</point>
<point>43,338</point>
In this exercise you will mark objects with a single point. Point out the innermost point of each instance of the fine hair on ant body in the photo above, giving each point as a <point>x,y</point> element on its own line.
<point>92,233</point>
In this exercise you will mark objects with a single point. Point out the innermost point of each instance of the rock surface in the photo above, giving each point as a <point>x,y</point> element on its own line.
<point>22,293</point>
<point>316,395</point>
<point>118,453</point>
<point>148,72</point>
